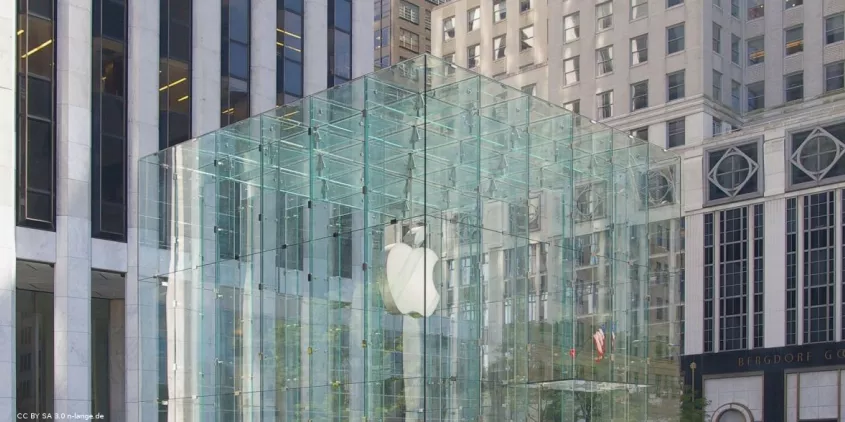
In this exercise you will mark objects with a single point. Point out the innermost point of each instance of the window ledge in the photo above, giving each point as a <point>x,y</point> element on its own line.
<point>677,53</point>
<point>634,66</point>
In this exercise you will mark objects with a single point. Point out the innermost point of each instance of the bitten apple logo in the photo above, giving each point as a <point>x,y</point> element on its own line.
<point>409,286</point>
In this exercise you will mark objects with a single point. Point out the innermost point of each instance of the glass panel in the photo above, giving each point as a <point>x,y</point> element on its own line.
<point>421,240</point>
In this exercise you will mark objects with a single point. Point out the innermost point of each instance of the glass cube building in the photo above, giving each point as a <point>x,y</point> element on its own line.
<point>422,243</point>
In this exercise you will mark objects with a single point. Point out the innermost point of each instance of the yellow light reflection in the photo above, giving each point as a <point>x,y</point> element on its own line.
<point>172,84</point>
<point>20,32</point>
<point>182,99</point>
<point>288,33</point>
<point>36,49</point>
<point>229,111</point>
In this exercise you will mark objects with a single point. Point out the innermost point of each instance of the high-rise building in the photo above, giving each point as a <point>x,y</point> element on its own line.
<point>752,94</point>
<point>401,30</point>
<point>88,87</point>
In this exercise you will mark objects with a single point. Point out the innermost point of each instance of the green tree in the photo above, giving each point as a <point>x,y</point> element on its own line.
<point>693,407</point>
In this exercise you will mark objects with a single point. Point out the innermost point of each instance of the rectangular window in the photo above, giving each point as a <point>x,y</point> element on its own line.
<point>834,76</point>
<point>571,70</point>
<point>736,96</point>
<point>794,85</point>
<point>428,20</point>
<point>499,44</point>
<point>573,106</point>
<point>756,51</point>
<point>756,9</point>
<point>640,133</point>
<point>639,49</point>
<point>235,62</point>
<point>473,19</point>
<point>758,275</point>
<point>473,56</point>
<point>409,40</point>
<point>109,165</point>
<point>526,38</point>
<point>605,104</point>
<point>717,86</point>
<point>756,96</point>
<point>717,38</point>
<point>639,9</point>
<point>36,116</point>
<point>794,40</point>
<point>676,133</point>
<point>675,39</point>
<point>791,271</point>
<point>818,269</point>
<point>604,16</point>
<point>449,59</point>
<point>789,4</point>
<point>709,282</point>
<point>571,27</point>
<point>499,10</point>
<point>834,28</point>
<point>675,83</point>
<point>448,28</point>
<point>733,279</point>
<point>639,95</point>
<point>530,89</point>
<point>735,53</point>
<point>717,126</point>
<point>525,5</point>
<point>735,8</point>
<point>604,60</point>
<point>672,3</point>
<point>410,12</point>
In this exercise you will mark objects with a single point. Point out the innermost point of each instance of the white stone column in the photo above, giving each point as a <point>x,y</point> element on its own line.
<point>72,329</point>
<point>117,363</point>
<point>363,53</point>
<point>8,140</point>
<point>263,57</point>
<point>141,304</point>
<point>316,47</point>
<point>205,68</point>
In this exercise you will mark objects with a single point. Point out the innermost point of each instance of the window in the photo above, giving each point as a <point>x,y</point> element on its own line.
<point>640,133</point>
<point>672,3</point>
<point>834,28</point>
<point>573,106</point>
<point>530,89</point>
<point>675,133</point>
<point>717,126</point>
<point>571,27</point>
<point>816,155</point>
<point>108,125</point>
<point>717,39</point>
<point>604,60</point>
<point>473,19</point>
<point>175,65</point>
<point>755,9</point>
<point>675,85</point>
<point>428,20</point>
<point>794,40</point>
<point>571,70</point>
<point>639,49</point>
<point>789,4</point>
<point>639,95</point>
<point>605,104</point>
<point>604,16</point>
<point>756,51</point>
<point>717,86</point>
<point>735,8</point>
<point>794,85</point>
<point>448,28</point>
<point>473,56</point>
<point>526,38</point>
<point>235,62</point>
<point>449,59</point>
<point>409,12</point>
<point>756,96</point>
<point>499,10</point>
<point>736,101</point>
<point>675,39</point>
<point>499,44</point>
<point>735,53</point>
<point>409,40</point>
<point>639,9</point>
<point>834,76</point>
<point>525,5</point>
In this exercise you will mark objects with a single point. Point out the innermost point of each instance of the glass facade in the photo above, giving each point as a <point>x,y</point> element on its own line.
<point>36,114</point>
<point>421,243</point>
<point>235,61</point>
<point>108,120</point>
<point>340,41</point>
<point>175,72</point>
<point>289,75</point>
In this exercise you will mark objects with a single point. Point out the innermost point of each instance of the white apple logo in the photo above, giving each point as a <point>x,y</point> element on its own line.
<point>409,286</point>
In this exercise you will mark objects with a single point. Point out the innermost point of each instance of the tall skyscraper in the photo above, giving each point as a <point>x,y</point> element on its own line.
<point>87,88</point>
<point>750,93</point>
<point>401,30</point>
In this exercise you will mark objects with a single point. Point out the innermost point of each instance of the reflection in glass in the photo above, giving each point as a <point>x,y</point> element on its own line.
<point>235,61</point>
<point>34,351</point>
